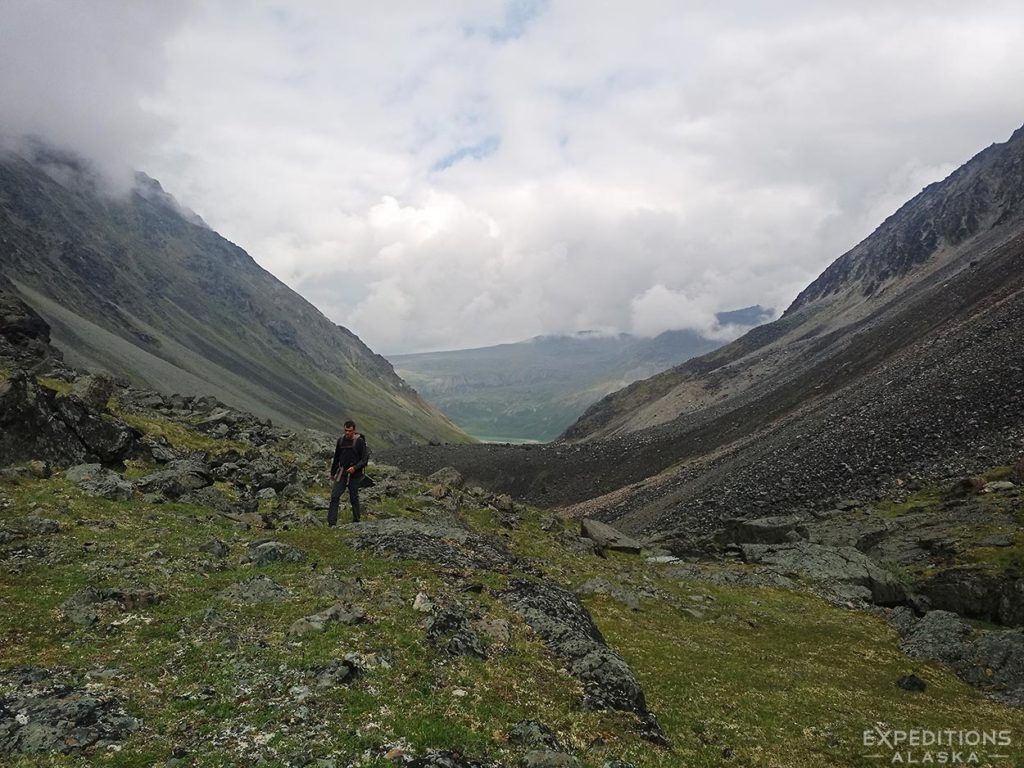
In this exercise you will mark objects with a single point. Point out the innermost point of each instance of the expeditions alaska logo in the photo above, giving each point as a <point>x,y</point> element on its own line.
<point>926,746</point>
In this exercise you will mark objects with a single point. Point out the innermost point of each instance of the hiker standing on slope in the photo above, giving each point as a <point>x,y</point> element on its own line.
<point>350,457</point>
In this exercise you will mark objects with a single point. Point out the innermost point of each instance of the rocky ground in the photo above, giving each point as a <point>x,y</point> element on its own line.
<point>170,595</point>
<point>930,389</point>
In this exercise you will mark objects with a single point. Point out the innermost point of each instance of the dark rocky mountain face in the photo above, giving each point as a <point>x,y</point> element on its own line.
<point>900,364</point>
<point>139,287</point>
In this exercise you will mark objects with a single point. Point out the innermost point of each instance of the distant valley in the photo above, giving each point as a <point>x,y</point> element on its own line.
<point>534,389</point>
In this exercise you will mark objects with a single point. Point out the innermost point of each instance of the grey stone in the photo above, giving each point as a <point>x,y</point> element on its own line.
<point>50,716</point>
<point>448,628</point>
<point>447,476</point>
<point>504,503</point>
<point>95,390</point>
<point>997,540</point>
<point>177,479</point>
<point>267,552</point>
<point>100,482</point>
<point>446,545</point>
<point>34,525</point>
<point>335,672</point>
<point>830,566</point>
<point>344,589</point>
<point>79,608</point>
<point>215,547</point>
<point>533,733</point>
<point>768,530</point>
<point>565,625</point>
<point>497,631</point>
<point>912,683</point>
<point>447,759</point>
<point>939,635</point>
<point>318,622</point>
<point>997,485</point>
<point>257,589</point>
<point>600,586</point>
<point>607,537</point>
<point>547,758</point>
<point>37,424</point>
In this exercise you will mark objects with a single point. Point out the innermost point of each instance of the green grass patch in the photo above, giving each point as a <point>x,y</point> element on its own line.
<point>59,386</point>
<point>770,677</point>
<point>180,436</point>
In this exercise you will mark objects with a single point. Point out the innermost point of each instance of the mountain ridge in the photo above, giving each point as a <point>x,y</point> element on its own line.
<point>165,287</point>
<point>848,393</point>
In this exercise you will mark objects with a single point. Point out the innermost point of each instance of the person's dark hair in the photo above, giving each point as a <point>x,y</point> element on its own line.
<point>350,423</point>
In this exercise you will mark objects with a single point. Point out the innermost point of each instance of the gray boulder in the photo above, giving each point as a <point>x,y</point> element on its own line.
<point>607,537</point>
<point>100,482</point>
<point>548,758</point>
<point>318,622</point>
<point>24,335</point>
<point>976,593</point>
<point>534,734</point>
<point>992,661</point>
<point>447,476</point>
<point>177,479</point>
<point>258,589</point>
<point>267,552</point>
<point>449,629</point>
<point>46,716</point>
<point>599,586</point>
<point>837,568</point>
<point>939,635</point>
<point>36,423</point>
<point>443,544</point>
<point>767,530</point>
<point>95,390</point>
<point>567,627</point>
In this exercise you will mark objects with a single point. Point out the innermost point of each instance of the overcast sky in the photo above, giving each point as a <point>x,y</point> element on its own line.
<point>451,174</point>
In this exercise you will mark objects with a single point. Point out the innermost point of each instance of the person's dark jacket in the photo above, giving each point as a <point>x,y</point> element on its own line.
<point>350,453</point>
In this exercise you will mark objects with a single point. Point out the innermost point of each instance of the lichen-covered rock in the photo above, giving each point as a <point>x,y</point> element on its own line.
<point>258,589</point>
<point>566,626</point>
<point>548,758</point>
<point>266,552</point>
<point>43,714</point>
<point>447,546</point>
<point>35,423</point>
<point>449,629</point>
<point>97,481</point>
<point>447,476</point>
<point>607,537</point>
<point>339,613</point>
<point>534,734</point>
<point>599,586</point>
<point>177,479</point>
<point>95,390</point>
<point>831,566</point>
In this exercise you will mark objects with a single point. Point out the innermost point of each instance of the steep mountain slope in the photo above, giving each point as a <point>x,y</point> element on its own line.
<point>535,389</point>
<point>900,363</point>
<point>139,287</point>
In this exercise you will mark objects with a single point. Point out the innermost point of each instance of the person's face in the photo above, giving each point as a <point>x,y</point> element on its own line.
<point>350,432</point>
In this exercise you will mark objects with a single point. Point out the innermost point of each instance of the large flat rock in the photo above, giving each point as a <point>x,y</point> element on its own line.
<point>607,537</point>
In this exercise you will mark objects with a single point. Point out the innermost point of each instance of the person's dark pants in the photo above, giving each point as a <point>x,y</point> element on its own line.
<point>352,481</point>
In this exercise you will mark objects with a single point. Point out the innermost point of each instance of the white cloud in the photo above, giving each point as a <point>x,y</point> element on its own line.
<point>76,75</point>
<point>450,174</point>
